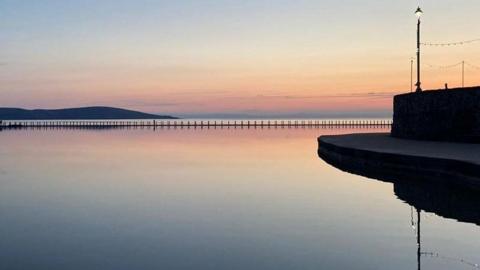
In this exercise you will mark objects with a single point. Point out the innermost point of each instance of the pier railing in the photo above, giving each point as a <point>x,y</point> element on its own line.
<point>193,123</point>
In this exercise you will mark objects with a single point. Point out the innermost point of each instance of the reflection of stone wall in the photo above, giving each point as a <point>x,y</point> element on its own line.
<point>442,199</point>
<point>447,188</point>
<point>450,115</point>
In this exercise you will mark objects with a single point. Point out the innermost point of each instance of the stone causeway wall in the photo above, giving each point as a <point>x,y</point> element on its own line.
<point>440,115</point>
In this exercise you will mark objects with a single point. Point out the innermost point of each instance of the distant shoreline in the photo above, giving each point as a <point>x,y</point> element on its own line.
<point>83,113</point>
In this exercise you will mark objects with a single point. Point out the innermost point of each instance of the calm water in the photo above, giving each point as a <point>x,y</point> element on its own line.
<point>207,199</point>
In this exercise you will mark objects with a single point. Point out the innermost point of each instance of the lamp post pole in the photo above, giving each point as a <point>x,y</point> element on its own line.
<point>411,75</point>
<point>418,13</point>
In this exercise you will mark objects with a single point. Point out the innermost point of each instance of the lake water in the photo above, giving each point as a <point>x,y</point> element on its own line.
<point>207,199</point>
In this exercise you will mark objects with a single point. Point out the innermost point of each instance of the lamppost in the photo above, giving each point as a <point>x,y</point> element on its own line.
<point>411,74</point>
<point>418,13</point>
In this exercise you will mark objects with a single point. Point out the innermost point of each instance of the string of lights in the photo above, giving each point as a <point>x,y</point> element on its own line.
<point>453,65</point>
<point>472,65</point>
<point>444,67</point>
<point>458,260</point>
<point>458,43</point>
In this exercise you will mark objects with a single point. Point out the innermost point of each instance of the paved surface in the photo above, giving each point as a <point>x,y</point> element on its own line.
<point>384,143</point>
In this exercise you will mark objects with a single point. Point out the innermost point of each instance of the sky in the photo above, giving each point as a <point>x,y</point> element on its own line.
<point>190,57</point>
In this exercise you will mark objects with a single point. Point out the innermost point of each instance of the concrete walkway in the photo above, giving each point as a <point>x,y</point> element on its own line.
<point>385,144</point>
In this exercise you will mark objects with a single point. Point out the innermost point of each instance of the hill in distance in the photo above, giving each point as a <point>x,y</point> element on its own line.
<point>85,113</point>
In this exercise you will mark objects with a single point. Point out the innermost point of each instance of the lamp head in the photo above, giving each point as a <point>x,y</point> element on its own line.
<point>419,12</point>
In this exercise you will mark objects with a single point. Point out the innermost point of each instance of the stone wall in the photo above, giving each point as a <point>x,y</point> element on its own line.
<point>443,115</point>
<point>388,166</point>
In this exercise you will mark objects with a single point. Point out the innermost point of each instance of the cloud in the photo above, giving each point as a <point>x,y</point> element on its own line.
<point>348,95</point>
<point>202,92</point>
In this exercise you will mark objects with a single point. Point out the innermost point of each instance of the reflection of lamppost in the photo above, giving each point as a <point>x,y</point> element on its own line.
<point>418,13</point>
<point>419,242</point>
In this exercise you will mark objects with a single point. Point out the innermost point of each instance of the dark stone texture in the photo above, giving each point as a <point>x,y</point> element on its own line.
<point>440,115</point>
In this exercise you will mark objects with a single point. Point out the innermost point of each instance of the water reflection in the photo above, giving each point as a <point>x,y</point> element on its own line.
<point>439,196</point>
<point>416,225</point>
<point>203,199</point>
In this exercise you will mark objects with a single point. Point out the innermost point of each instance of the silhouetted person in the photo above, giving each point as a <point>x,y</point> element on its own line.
<point>446,86</point>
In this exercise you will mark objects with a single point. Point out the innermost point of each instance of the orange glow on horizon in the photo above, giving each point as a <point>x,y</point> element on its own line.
<point>301,59</point>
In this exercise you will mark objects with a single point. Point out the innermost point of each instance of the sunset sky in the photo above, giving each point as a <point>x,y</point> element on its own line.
<point>228,56</point>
